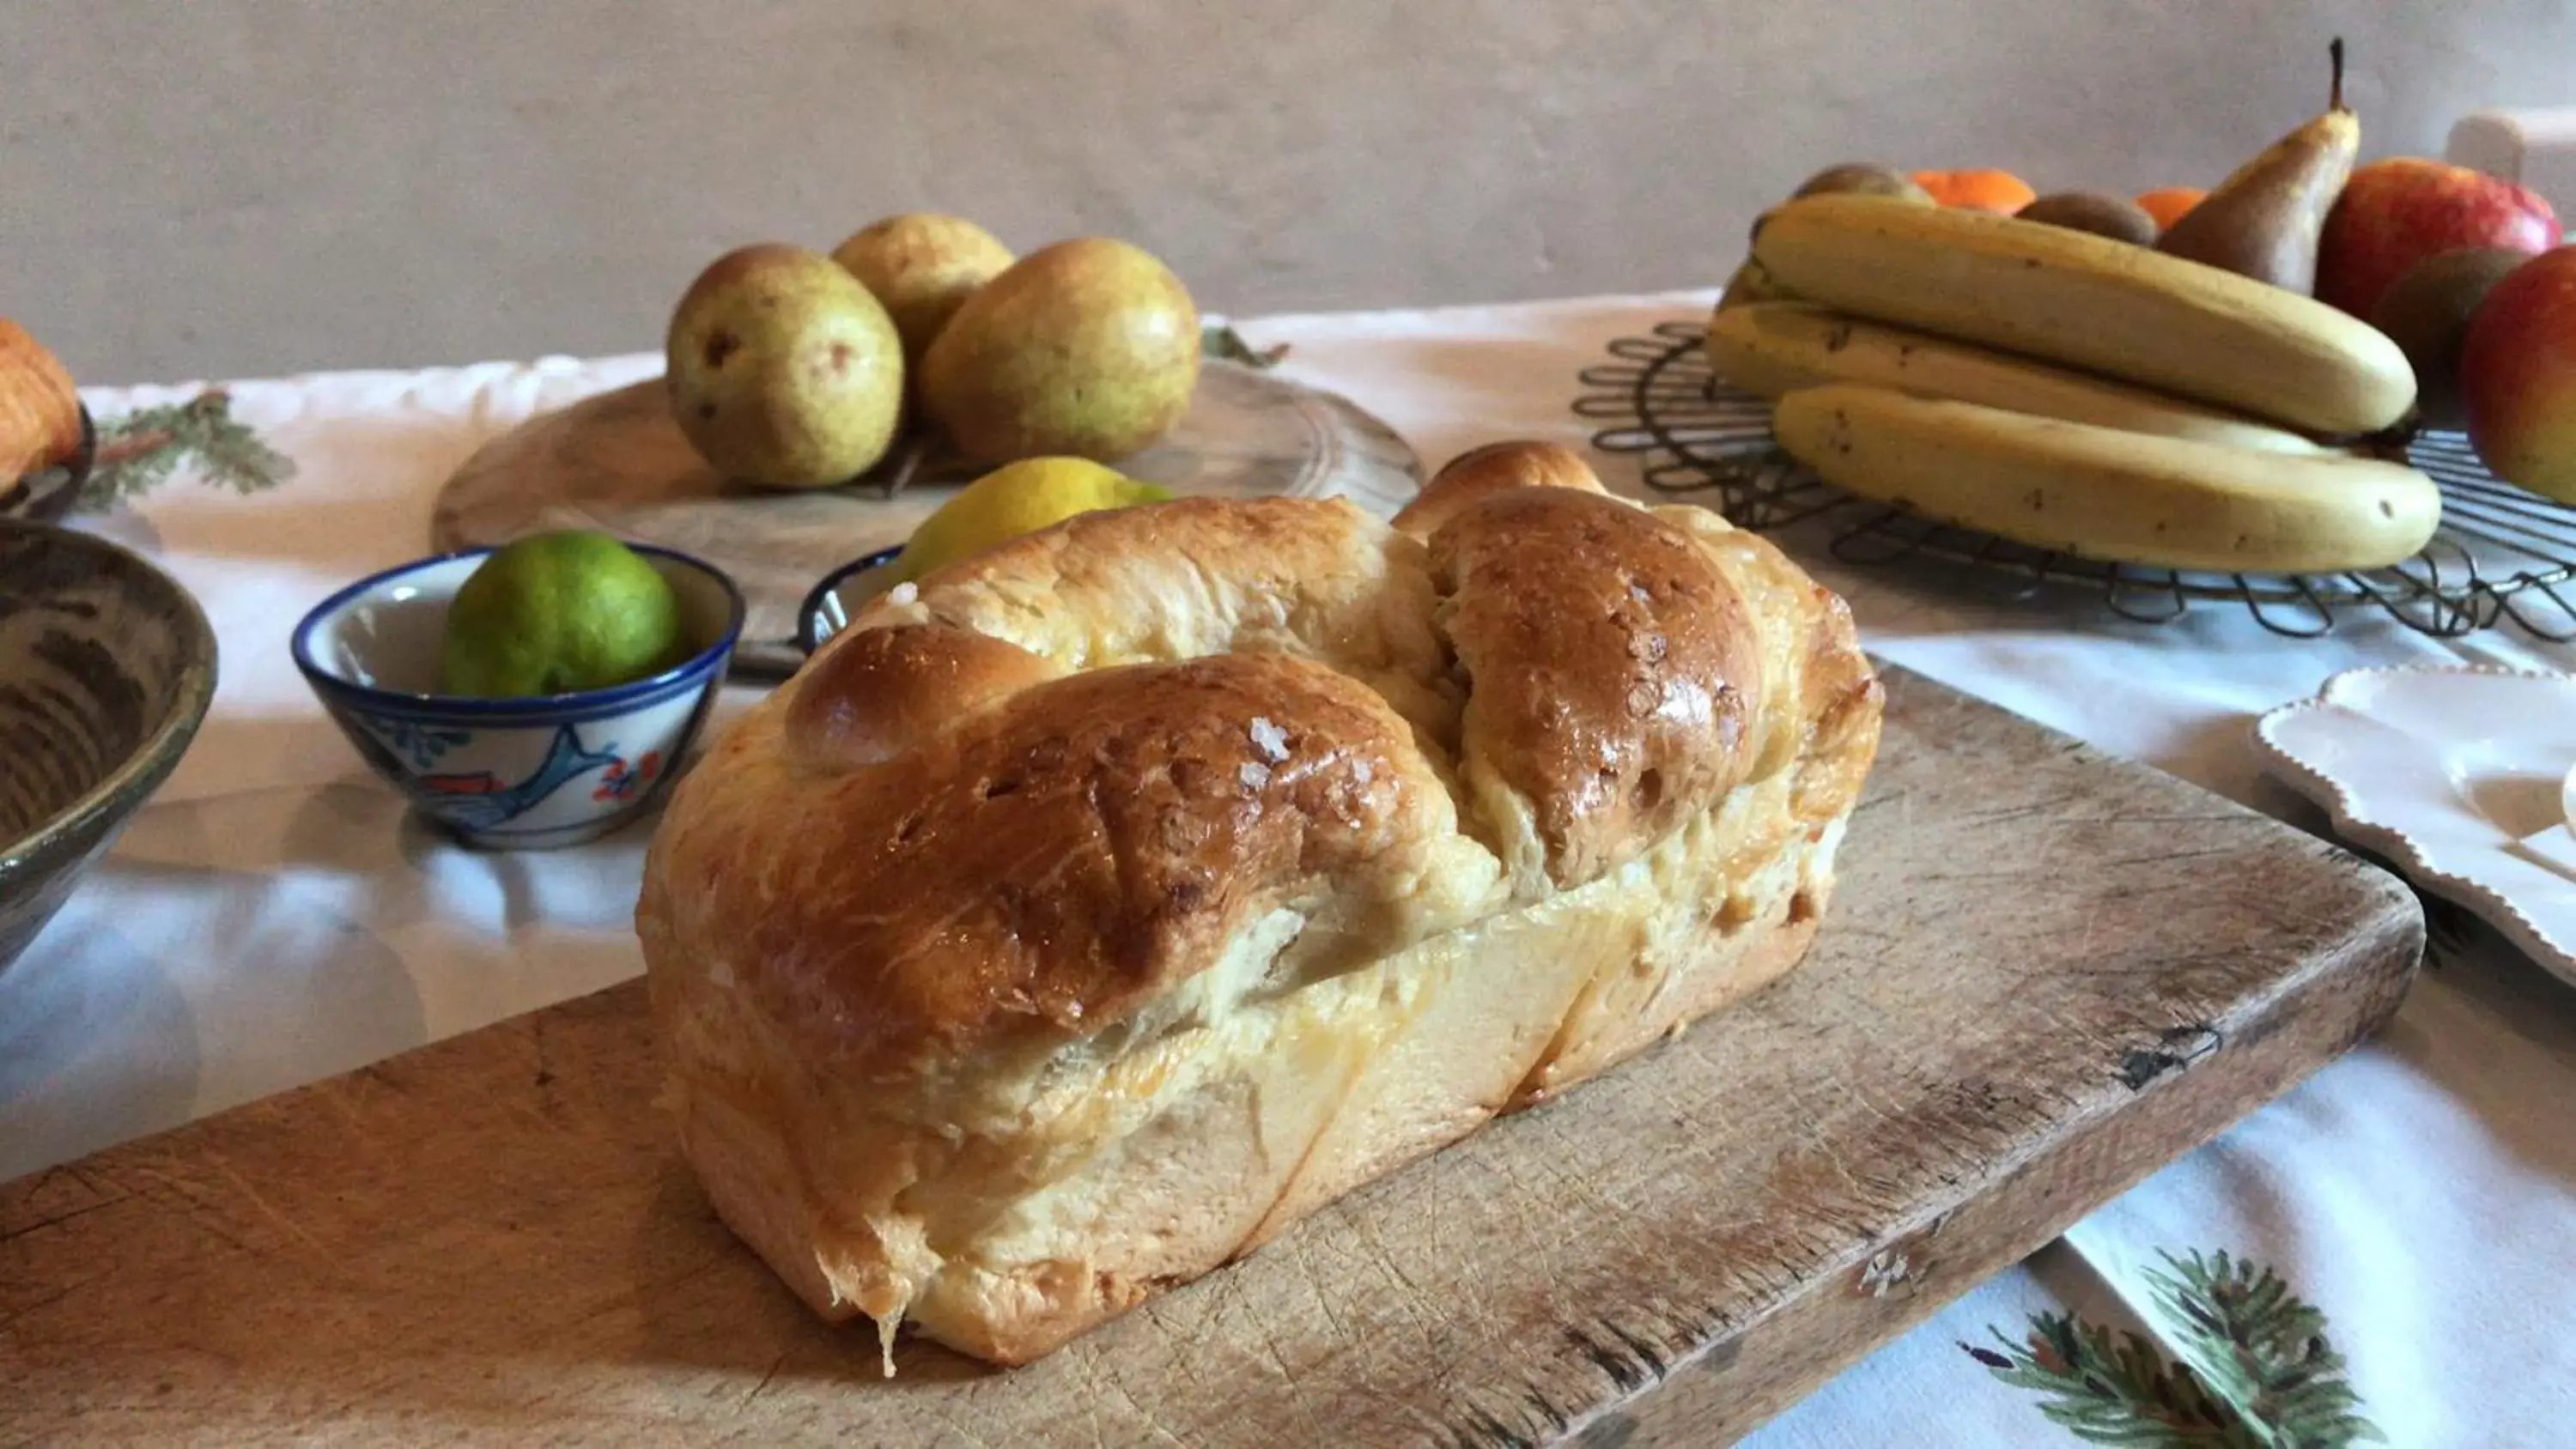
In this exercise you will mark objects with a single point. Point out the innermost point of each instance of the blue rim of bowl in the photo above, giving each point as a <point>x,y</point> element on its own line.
<point>806,638</point>
<point>546,707</point>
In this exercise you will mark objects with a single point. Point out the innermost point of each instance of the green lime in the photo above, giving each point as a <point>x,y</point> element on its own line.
<point>558,612</point>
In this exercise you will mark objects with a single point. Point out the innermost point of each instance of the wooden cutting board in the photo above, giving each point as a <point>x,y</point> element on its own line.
<point>617,462</point>
<point>2045,974</point>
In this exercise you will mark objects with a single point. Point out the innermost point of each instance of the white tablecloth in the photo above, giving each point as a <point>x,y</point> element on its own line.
<point>272,917</point>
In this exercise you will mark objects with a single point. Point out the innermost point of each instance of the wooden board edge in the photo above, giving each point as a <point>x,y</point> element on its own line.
<point>1738,1376</point>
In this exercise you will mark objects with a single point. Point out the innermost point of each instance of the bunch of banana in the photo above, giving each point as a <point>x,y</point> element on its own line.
<point>2074,392</point>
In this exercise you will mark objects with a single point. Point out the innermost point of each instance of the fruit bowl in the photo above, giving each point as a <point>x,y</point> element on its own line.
<point>106,668</point>
<point>526,774</point>
<point>2500,555</point>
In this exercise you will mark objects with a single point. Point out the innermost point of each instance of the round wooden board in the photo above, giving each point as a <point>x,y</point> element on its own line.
<point>617,462</point>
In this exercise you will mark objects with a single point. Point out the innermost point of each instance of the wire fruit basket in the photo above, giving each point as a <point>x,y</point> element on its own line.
<point>2501,554</point>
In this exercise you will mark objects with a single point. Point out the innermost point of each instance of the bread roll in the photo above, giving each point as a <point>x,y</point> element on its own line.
<point>1078,921</point>
<point>40,416</point>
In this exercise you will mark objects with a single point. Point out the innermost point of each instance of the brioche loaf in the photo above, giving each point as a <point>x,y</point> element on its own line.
<point>1083,916</point>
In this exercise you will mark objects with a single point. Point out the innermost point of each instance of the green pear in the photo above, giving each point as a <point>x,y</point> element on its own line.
<point>784,371</point>
<point>922,266</point>
<point>1087,348</point>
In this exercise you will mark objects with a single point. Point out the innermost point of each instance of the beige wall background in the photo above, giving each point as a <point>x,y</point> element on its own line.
<point>249,187</point>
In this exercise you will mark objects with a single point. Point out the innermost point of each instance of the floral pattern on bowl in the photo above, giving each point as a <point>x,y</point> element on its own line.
<point>2463,777</point>
<point>510,773</point>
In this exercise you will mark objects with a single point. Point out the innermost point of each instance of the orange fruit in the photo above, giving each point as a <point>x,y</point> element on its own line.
<point>2170,204</point>
<point>2000,192</point>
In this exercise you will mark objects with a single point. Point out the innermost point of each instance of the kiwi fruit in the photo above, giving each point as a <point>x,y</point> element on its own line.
<point>1867,178</point>
<point>2116,217</point>
<point>2427,311</point>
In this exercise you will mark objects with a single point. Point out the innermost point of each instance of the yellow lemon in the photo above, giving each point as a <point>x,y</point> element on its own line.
<point>1014,499</point>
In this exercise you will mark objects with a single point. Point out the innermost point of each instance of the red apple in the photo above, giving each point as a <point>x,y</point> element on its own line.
<point>2518,376</point>
<point>2400,211</point>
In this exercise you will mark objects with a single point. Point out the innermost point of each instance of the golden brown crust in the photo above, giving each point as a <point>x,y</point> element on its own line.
<point>1479,473</point>
<point>879,692</point>
<point>1283,543</point>
<point>1197,576</point>
<point>1053,860</point>
<point>40,409</point>
<point>1845,705</point>
<point>1081,920</point>
<point>1613,670</point>
<point>1830,732</point>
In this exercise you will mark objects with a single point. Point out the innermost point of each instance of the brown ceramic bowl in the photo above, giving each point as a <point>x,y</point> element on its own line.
<point>106,668</point>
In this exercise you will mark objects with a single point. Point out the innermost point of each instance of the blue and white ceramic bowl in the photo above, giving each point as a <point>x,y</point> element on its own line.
<point>525,774</point>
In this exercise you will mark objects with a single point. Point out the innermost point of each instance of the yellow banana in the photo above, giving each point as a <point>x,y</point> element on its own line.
<point>2101,493</point>
<point>2091,302</point>
<point>1772,348</point>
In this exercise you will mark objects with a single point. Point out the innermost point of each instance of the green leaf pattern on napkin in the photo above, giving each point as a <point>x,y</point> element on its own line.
<point>143,449</point>
<point>2253,1369</point>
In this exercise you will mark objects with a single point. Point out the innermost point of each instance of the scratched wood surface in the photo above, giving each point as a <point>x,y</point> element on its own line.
<point>2046,973</point>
